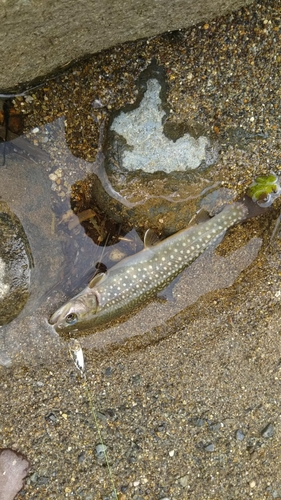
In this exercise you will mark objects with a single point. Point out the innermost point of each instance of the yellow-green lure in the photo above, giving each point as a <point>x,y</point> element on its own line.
<point>265,189</point>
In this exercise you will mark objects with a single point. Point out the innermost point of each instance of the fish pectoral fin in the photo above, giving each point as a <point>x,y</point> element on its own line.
<point>96,279</point>
<point>150,238</point>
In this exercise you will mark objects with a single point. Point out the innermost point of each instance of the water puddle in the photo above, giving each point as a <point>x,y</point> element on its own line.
<point>78,217</point>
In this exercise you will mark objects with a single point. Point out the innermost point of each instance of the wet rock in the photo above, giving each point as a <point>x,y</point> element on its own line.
<point>153,168</point>
<point>13,469</point>
<point>146,147</point>
<point>96,28</point>
<point>15,265</point>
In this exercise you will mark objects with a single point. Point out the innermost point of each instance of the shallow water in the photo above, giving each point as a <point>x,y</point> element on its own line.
<point>63,258</point>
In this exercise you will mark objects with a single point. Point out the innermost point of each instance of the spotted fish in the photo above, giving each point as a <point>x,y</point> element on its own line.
<point>138,278</point>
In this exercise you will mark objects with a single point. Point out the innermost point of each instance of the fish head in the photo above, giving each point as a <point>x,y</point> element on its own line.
<point>74,315</point>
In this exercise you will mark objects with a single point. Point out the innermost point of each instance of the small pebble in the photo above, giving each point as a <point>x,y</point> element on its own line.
<point>268,431</point>
<point>81,457</point>
<point>100,450</point>
<point>108,371</point>
<point>210,447</point>
<point>239,435</point>
<point>28,98</point>
<point>184,481</point>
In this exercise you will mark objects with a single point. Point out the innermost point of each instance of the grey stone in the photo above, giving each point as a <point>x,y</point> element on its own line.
<point>36,38</point>
<point>239,435</point>
<point>210,447</point>
<point>13,469</point>
<point>151,150</point>
<point>15,265</point>
<point>100,451</point>
<point>184,481</point>
<point>268,431</point>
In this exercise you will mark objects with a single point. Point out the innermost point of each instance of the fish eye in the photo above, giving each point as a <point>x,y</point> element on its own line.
<point>71,318</point>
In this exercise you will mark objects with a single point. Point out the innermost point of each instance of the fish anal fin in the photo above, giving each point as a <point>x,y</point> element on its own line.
<point>150,238</point>
<point>96,279</point>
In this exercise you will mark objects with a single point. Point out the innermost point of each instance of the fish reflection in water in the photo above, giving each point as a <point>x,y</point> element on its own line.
<point>138,278</point>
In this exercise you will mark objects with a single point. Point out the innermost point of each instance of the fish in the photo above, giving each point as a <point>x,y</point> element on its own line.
<point>140,277</point>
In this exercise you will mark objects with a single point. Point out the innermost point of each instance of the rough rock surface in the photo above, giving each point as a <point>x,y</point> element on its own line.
<point>15,264</point>
<point>37,38</point>
<point>13,469</point>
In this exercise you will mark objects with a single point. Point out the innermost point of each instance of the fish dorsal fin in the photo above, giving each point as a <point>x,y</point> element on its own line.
<point>150,238</point>
<point>96,279</point>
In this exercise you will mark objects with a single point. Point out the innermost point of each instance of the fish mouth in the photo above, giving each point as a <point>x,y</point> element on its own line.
<point>55,317</point>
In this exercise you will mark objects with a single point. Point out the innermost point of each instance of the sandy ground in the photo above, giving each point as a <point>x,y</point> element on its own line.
<point>190,410</point>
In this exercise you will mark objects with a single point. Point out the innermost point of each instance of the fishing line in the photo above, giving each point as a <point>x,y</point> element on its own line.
<point>76,353</point>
